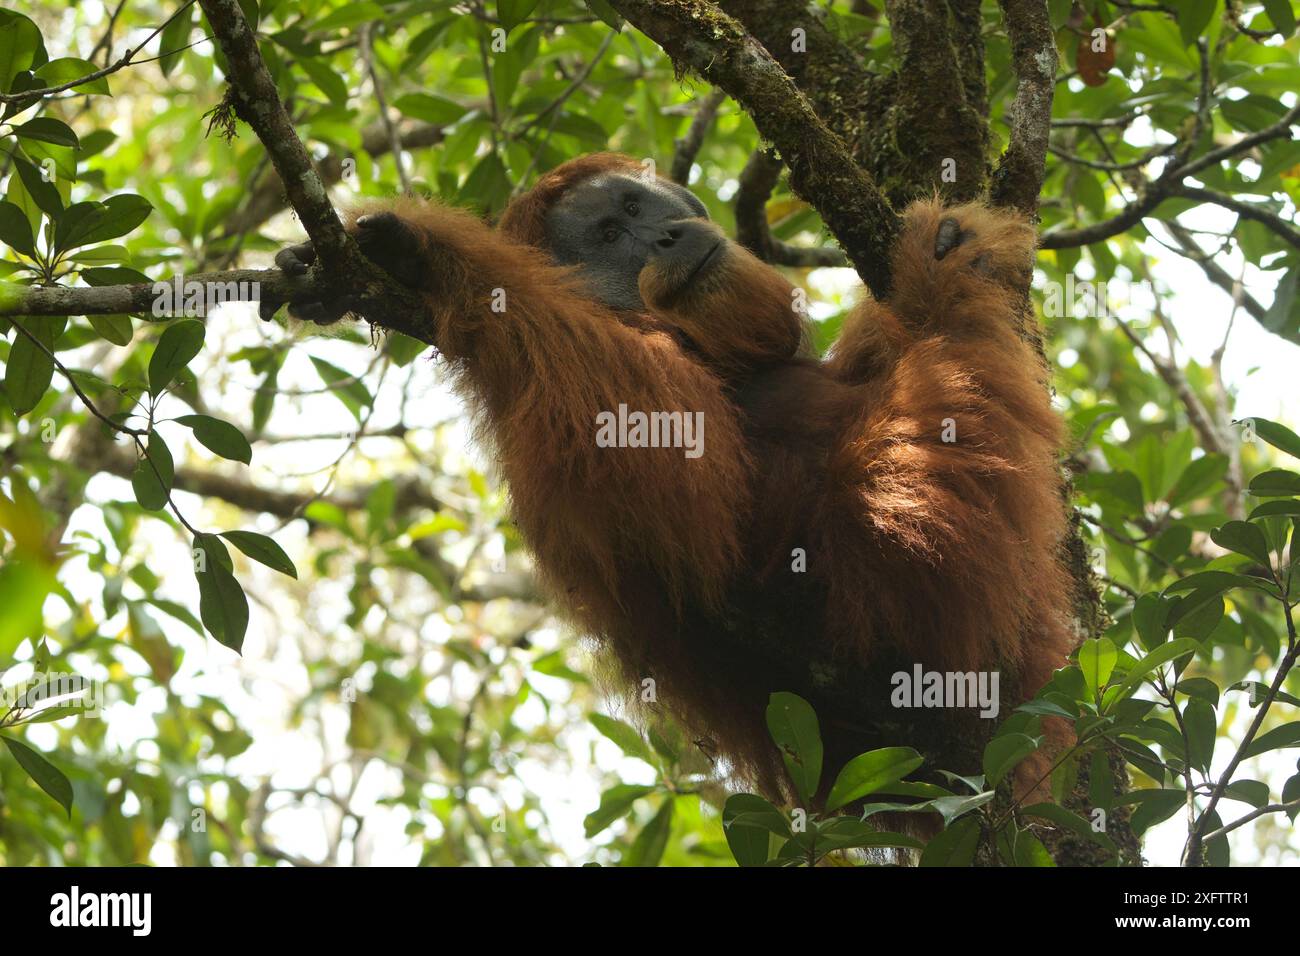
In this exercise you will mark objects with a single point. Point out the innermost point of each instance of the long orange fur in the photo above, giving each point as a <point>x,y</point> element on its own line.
<point>944,553</point>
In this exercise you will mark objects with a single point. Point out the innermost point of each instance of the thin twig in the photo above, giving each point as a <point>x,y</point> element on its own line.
<point>394,142</point>
<point>123,62</point>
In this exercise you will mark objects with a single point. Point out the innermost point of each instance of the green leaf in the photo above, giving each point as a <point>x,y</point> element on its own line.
<point>46,776</point>
<point>955,846</point>
<point>221,438</point>
<point>436,110</point>
<point>1157,806</point>
<point>123,213</point>
<point>513,12</point>
<point>29,369</point>
<point>648,848</point>
<point>1283,298</point>
<point>793,726</point>
<point>44,194</point>
<point>380,505</point>
<point>20,43</point>
<point>844,833</point>
<point>1161,655</point>
<point>323,75</point>
<point>623,734</point>
<point>1123,488</point>
<point>403,349</point>
<point>1283,17</point>
<point>767,818</point>
<point>68,68</point>
<point>16,230</point>
<point>614,804</point>
<point>1193,17</point>
<point>1214,582</point>
<point>177,346</point>
<point>153,475</point>
<point>350,14</point>
<point>23,589</point>
<point>911,788</point>
<point>182,614</point>
<point>174,37</point>
<point>1201,688</point>
<point>348,389</point>
<point>1253,792</point>
<point>747,822</point>
<point>1279,738</point>
<point>1004,752</point>
<point>1070,821</point>
<point>975,782</point>
<point>223,606</point>
<point>99,276</point>
<point>48,715</point>
<point>869,772</point>
<point>1276,483</point>
<point>46,129</point>
<point>1096,661</point>
<point>1279,436</point>
<point>113,328</point>
<point>950,808</point>
<point>1290,793</point>
<point>1243,538</point>
<point>1197,478</point>
<point>488,184</point>
<point>63,158</point>
<point>1285,506</point>
<point>85,223</point>
<point>101,254</point>
<point>663,746</point>
<point>1198,615</point>
<point>1150,618</point>
<point>1048,708</point>
<point>263,550</point>
<point>602,9</point>
<point>1026,849</point>
<point>1201,723</point>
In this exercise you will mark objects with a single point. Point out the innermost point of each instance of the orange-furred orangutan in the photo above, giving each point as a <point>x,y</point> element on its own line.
<point>771,521</point>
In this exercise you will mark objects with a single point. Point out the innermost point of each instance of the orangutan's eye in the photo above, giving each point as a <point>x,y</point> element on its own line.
<point>610,234</point>
<point>632,206</point>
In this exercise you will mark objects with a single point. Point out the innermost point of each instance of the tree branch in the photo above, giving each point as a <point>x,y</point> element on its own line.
<point>851,101</point>
<point>1020,172</point>
<point>688,146</point>
<point>1212,440</point>
<point>1169,183</point>
<point>266,197</point>
<point>1246,210</point>
<point>257,103</point>
<point>931,95</point>
<point>244,285</point>
<point>1254,814</point>
<point>757,180</point>
<point>1193,851</point>
<point>700,37</point>
<point>124,61</point>
<point>1189,248</point>
<point>381,104</point>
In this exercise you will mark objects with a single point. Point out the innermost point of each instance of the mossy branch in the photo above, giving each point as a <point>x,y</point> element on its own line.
<point>701,38</point>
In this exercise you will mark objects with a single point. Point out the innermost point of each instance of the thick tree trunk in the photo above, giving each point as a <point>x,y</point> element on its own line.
<point>901,131</point>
